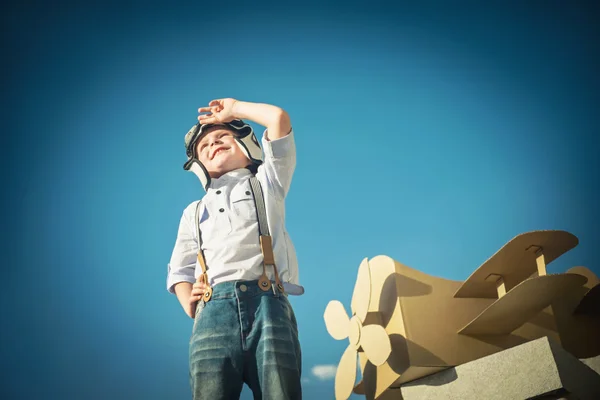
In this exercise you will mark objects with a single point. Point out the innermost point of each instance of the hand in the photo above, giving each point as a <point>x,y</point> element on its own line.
<point>221,111</point>
<point>198,290</point>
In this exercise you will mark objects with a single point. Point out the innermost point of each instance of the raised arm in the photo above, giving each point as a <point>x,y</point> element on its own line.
<point>275,119</point>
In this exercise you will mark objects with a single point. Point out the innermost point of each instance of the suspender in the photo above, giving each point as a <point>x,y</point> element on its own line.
<point>266,243</point>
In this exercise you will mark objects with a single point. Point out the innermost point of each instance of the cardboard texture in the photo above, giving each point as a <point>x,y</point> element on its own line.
<point>529,297</point>
<point>370,338</point>
<point>539,369</point>
<point>590,304</point>
<point>517,260</point>
<point>406,324</point>
<point>579,332</point>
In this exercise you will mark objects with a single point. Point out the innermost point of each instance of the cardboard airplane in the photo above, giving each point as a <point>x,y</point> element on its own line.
<point>406,324</point>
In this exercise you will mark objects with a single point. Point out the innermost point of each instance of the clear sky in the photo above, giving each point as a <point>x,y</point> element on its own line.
<point>432,134</point>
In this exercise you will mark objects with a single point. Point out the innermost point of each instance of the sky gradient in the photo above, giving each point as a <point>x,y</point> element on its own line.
<point>431,133</point>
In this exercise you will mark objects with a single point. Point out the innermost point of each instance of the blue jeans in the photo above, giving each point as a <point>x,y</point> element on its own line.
<point>245,335</point>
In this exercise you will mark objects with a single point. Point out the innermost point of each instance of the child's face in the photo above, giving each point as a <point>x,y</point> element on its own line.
<point>219,152</point>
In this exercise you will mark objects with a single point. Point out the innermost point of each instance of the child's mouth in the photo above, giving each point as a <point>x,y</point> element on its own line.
<point>218,151</point>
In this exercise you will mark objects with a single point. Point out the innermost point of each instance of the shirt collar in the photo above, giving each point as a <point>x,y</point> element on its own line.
<point>229,177</point>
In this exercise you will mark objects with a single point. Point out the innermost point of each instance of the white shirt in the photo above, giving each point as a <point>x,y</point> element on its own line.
<point>229,225</point>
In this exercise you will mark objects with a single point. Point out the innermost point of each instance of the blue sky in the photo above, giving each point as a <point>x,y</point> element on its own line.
<point>430,133</point>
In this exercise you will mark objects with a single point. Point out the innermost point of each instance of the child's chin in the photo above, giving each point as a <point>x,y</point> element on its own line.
<point>221,169</point>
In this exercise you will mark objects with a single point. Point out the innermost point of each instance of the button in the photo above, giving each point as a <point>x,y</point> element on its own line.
<point>218,192</point>
<point>247,192</point>
<point>243,288</point>
<point>221,209</point>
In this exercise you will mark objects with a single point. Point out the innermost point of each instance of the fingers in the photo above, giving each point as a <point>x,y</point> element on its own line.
<point>199,285</point>
<point>199,288</point>
<point>195,299</point>
<point>211,117</point>
<point>212,109</point>
<point>196,296</point>
<point>204,116</point>
<point>207,119</point>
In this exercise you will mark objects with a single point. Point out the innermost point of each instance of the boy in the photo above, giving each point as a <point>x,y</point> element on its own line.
<point>233,263</point>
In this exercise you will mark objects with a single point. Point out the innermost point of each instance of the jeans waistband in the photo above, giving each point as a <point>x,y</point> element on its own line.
<point>241,289</point>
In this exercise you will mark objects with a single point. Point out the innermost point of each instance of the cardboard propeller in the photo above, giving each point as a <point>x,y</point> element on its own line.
<point>431,323</point>
<point>371,339</point>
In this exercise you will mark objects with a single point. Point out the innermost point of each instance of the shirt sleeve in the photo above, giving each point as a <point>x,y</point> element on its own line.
<point>280,161</point>
<point>182,265</point>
